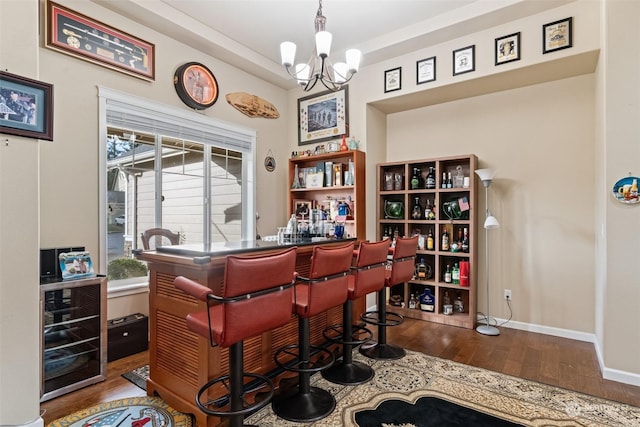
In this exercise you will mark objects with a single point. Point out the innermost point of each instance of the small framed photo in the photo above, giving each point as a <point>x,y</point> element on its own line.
<point>393,79</point>
<point>26,107</point>
<point>426,70</point>
<point>464,60</point>
<point>302,208</point>
<point>507,48</point>
<point>557,35</point>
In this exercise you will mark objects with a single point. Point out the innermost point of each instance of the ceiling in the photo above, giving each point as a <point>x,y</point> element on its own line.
<point>247,33</point>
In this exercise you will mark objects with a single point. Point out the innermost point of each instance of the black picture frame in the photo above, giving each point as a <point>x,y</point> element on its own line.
<point>323,116</point>
<point>557,35</point>
<point>26,107</point>
<point>393,79</point>
<point>464,60</point>
<point>507,49</point>
<point>426,70</point>
<point>86,38</point>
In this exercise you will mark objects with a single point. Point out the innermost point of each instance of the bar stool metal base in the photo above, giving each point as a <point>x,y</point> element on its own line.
<point>375,350</point>
<point>352,373</point>
<point>303,407</point>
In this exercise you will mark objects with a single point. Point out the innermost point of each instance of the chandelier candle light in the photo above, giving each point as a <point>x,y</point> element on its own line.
<point>486,175</point>
<point>319,68</point>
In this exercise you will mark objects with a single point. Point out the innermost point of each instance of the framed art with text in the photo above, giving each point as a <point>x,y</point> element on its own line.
<point>26,107</point>
<point>507,48</point>
<point>557,35</point>
<point>393,79</point>
<point>464,60</point>
<point>426,70</point>
<point>85,38</point>
<point>323,116</point>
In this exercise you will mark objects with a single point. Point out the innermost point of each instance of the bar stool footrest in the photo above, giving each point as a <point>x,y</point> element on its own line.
<point>357,332</point>
<point>391,318</point>
<point>259,382</point>
<point>303,366</point>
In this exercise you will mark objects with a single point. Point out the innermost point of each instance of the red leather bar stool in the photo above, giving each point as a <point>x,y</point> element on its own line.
<point>402,269</point>
<point>325,287</point>
<point>250,286</point>
<point>367,275</point>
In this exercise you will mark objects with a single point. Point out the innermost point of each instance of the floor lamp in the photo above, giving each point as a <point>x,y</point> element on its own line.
<point>486,175</point>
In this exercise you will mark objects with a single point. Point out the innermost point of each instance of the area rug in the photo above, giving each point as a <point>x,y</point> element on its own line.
<point>131,412</point>
<point>138,376</point>
<point>416,376</point>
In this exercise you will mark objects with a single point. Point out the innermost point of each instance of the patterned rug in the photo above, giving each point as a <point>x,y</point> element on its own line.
<point>130,412</point>
<point>508,398</point>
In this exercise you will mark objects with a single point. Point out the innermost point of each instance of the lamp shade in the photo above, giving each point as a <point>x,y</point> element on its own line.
<point>353,59</point>
<point>491,222</point>
<point>323,43</point>
<point>287,53</point>
<point>485,174</point>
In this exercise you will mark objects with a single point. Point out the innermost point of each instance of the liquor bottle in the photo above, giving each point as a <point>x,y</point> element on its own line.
<point>443,184</point>
<point>415,179</point>
<point>427,301</point>
<point>458,305</point>
<point>455,274</point>
<point>445,239</point>
<point>430,182</point>
<point>385,234</point>
<point>447,274</point>
<point>429,211</point>
<point>422,270</point>
<point>633,194</point>
<point>413,301</point>
<point>446,300</point>
<point>465,240</point>
<point>416,212</point>
<point>449,181</point>
<point>430,241</point>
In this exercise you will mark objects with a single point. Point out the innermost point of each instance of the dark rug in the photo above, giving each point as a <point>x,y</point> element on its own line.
<point>426,412</point>
<point>138,376</point>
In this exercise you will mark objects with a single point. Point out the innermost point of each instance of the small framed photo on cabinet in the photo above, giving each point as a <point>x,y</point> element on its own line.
<point>393,79</point>
<point>557,35</point>
<point>507,48</point>
<point>464,60</point>
<point>426,70</point>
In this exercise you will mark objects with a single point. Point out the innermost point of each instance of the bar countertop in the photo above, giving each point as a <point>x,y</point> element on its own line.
<point>218,249</point>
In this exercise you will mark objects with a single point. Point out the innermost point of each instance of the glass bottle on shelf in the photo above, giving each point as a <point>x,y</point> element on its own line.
<point>455,274</point>
<point>413,301</point>
<point>447,274</point>
<point>458,179</point>
<point>458,305</point>
<point>443,184</point>
<point>416,212</point>
<point>430,241</point>
<point>427,301</point>
<point>430,182</point>
<point>445,239</point>
<point>415,179</point>
<point>429,211</point>
<point>465,240</point>
<point>422,270</point>
<point>446,300</point>
<point>449,181</point>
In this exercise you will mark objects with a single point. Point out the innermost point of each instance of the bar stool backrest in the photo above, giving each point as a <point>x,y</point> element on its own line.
<point>327,284</point>
<point>369,269</point>
<point>403,261</point>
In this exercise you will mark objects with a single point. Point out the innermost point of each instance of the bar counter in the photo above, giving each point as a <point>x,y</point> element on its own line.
<point>180,361</point>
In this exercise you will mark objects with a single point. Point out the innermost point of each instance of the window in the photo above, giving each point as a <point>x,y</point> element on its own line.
<point>169,168</point>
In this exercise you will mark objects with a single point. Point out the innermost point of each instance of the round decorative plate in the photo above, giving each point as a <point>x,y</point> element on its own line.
<point>623,190</point>
<point>196,86</point>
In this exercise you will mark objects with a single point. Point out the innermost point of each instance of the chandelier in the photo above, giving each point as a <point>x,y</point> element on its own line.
<point>319,68</point>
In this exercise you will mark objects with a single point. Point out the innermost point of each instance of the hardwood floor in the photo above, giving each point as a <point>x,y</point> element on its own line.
<point>551,360</point>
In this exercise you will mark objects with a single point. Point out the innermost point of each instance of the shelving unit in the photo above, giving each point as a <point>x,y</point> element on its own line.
<point>74,335</point>
<point>321,192</point>
<point>394,188</point>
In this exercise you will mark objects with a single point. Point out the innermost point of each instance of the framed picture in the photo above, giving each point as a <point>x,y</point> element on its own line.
<point>464,60</point>
<point>426,70</point>
<point>557,35</point>
<point>507,48</point>
<point>302,208</point>
<point>393,79</point>
<point>85,38</point>
<point>26,107</point>
<point>323,116</point>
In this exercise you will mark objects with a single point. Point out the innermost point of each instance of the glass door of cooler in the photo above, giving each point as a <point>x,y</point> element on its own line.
<point>72,339</point>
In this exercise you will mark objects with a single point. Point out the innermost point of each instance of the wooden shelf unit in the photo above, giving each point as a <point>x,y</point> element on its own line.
<point>322,196</point>
<point>437,259</point>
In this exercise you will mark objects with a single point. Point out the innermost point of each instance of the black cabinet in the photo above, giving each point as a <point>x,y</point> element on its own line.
<point>73,320</point>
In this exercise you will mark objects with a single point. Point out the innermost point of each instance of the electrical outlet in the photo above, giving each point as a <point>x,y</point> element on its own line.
<point>507,294</point>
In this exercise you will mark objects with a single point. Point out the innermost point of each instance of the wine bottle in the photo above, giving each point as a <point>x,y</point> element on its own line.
<point>447,274</point>
<point>430,182</point>
<point>449,181</point>
<point>445,239</point>
<point>416,212</point>
<point>455,274</point>
<point>430,241</point>
<point>443,184</point>
<point>415,179</point>
<point>465,240</point>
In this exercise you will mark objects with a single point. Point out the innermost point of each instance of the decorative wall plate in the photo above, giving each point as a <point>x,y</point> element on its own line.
<point>196,86</point>
<point>624,191</point>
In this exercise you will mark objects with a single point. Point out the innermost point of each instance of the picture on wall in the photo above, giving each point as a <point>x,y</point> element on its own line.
<point>85,38</point>
<point>426,70</point>
<point>557,35</point>
<point>323,116</point>
<point>26,107</point>
<point>507,48</point>
<point>464,60</point>
<point>393,79</point>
